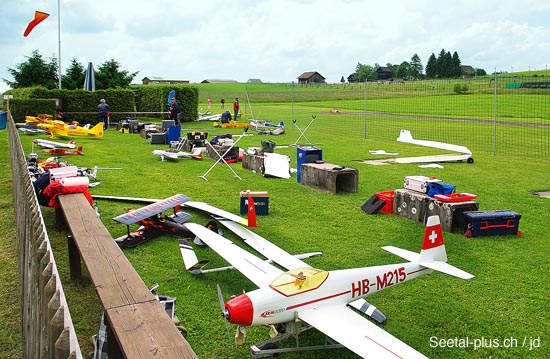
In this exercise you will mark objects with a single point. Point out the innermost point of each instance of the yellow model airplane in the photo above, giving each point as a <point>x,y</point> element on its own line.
<point>58,128</point>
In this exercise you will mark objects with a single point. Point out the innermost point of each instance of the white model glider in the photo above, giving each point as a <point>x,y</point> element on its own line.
<point>196,155</point>
<point>322,299</point>
<point>463,153</point>
<point>54,145</point>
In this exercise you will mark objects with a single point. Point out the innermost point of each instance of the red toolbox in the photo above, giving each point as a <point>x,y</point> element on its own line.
<point>388,198</point>
<point>491,223</point>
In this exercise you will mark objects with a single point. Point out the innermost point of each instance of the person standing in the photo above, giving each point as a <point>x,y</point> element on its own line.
<point>222,102</point>
<point>209,102</point>
<point>175,111</point>
<point>103,110</point>
<point>236,108</point>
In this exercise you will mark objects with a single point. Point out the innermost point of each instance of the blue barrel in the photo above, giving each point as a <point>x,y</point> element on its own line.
<point>3,120</point>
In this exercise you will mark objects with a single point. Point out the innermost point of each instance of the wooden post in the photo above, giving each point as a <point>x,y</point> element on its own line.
<point>74,260</point>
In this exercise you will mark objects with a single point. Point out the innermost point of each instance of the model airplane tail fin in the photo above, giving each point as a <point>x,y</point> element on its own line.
<point>197,155</point>
<point>433,246</point>
<point>433,254</point>
<point>79,150</point>
<point>251,213</point>
<point>73,142</point>
<point>97,130</point>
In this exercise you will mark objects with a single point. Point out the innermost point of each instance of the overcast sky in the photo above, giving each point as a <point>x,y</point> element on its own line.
<point>275,40</point>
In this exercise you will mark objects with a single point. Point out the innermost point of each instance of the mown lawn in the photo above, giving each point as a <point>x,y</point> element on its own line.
<point>506,300</point>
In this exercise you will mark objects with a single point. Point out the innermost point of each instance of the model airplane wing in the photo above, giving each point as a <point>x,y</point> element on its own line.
<point>357,333</point>
<point>265,247</point>
<point>257,270</point>
<point>152,209</point>
<point>202,206</point>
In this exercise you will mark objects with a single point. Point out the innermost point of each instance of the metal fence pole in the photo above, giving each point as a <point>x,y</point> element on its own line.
<point>495,116</point>
<point>365,109</point>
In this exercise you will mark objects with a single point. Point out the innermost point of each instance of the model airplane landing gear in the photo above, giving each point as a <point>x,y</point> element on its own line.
<point>269,348</point>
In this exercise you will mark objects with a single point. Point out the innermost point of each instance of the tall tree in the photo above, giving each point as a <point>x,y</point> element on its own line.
<point>74,77</point>
<point>455,64</point>
<point>431,70</point>
<point>363,72</point>
<point>34,72</point>
<point>416,66</point>
<point>447,65</point>
<point>110,76</point>
<point>439,64</point>
<point>404,70</point>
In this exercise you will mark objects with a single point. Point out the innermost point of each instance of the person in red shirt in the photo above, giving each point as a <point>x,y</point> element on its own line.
<point>236,108</point>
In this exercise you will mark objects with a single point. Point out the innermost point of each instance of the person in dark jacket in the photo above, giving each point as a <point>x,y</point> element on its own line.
<point>175,111</point>
<point>103,110</point>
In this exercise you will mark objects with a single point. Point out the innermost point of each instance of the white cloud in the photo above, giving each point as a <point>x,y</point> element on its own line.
<point>276,40</point>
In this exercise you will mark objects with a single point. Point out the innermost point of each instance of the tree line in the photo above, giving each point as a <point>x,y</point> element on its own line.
<point>37,71</point>
<point>444,65</point>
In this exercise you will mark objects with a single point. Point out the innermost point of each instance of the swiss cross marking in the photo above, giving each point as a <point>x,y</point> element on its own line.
<point>432,237</point>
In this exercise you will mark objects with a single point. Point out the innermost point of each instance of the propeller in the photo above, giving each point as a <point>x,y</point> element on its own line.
<point>225,312</point>
<point>240,334</point>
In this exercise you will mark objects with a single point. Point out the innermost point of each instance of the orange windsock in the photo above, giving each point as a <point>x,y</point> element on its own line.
<point>39,16</point>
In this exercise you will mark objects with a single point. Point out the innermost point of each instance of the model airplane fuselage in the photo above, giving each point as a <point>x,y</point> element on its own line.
<point>63,151</point>
<point>288,294</point>
<point>53,144</point>
<point>196,155</point>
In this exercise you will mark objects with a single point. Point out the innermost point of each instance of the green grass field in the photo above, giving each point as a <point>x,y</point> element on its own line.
<point>505,304</point>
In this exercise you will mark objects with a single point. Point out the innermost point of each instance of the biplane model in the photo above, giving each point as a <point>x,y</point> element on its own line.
<point>153,223</point>
<point>58,128</point>
<point>76,130</point>
<point>54,145</point>
<point>176,155</point>
<point>330,301</point>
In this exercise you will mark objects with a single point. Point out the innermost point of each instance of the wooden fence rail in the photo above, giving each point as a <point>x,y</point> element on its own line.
<point>138,325</point>
<point>46,324</point>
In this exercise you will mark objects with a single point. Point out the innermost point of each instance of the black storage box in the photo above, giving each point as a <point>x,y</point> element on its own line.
<point>157,138</point>
<point>491,223</point>
<point>261,202</point>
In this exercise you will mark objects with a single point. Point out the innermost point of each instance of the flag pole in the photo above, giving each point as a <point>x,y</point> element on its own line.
<point>59,40</point>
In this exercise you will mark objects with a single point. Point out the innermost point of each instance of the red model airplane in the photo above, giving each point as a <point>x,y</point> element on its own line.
<point>64,151</point>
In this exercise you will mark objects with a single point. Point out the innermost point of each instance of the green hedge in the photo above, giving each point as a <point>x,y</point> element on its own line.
<point>31,107</point>
<point>81,105</point>
<point>154,98</point>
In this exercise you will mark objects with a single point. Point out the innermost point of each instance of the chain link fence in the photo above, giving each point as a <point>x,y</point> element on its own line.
<point>498,115</point>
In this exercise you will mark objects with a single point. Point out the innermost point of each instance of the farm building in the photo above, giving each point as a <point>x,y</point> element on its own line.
<point>467,70</point>
<point>311,78</point>
<point>217,81</point>
<point>159,80</point>
<point>384,73</point>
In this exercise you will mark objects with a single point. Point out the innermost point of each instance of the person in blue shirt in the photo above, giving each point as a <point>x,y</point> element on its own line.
<point>103,110</point>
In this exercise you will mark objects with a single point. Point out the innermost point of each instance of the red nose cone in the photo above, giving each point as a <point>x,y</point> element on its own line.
<point>240,310</point>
